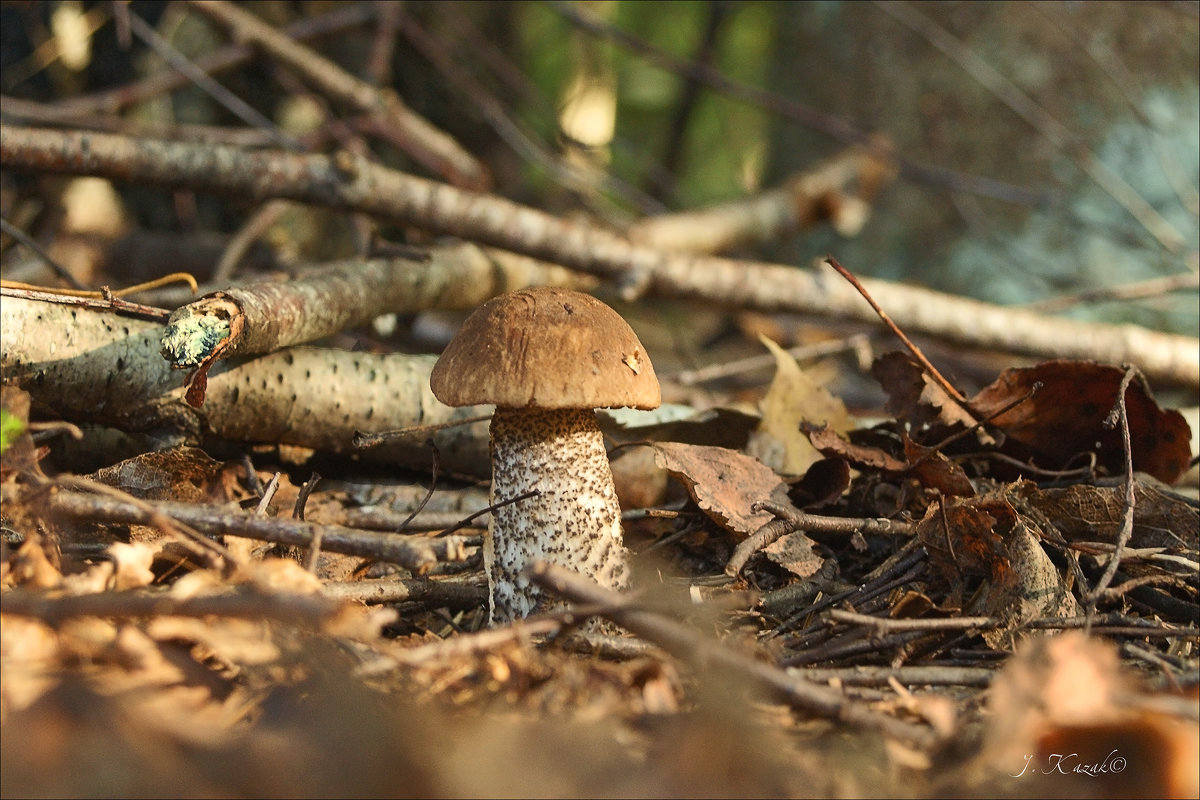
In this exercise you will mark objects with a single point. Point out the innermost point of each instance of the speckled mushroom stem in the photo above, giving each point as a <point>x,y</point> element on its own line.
<point>575,521</point>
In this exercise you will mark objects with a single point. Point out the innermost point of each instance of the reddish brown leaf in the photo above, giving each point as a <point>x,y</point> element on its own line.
<point>966,537</point>
<point>912,395</point>
<point>1065,418</point>
<point>935,471</point>
<point>831,444</point>
<point>984,536</point>
<point>823,483</point>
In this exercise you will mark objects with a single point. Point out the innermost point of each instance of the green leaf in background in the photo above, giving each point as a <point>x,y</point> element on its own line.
<point>10,428</point>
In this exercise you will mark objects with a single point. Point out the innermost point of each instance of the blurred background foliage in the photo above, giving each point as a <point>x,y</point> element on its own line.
<point>1018,125</point>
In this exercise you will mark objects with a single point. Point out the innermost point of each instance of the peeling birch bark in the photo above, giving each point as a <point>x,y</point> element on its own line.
<point>88,366</point>
<point>263,317</point>
<point>349,182</point>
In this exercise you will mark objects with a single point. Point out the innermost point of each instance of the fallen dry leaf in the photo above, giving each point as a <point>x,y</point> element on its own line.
<point>723,483</point>
<point>1096,514</point>
<point>1065,418</point>
<point>913,396</point>
<point>793,398</point>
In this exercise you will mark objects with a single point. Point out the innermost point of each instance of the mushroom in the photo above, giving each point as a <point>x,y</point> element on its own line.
<point>547,357</point>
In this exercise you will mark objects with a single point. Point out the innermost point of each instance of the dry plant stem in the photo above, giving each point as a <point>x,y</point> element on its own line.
<point>1114,68</point>
<point>772,214</point>
<point>250,232</point>
<point>417,553</point>
<point>932,371</point>
<point>769,533</point>
<point>198,77</point>
<point>788,108</point>
<point>364,440</point>
<point>34,113</point>
<point>62,272</point>
<point>382,520</point>
<point>433,148</point>
<point>1151,287</point>
<point>409,590</point>
<point>884,625</point>
<point>520,139</point>
<point>207,550</point>
<point>858,343</point>
<point>708,655</point>
<point>789,520</point>
<point>353,183</point>
<point>106,293</point>
<point>264,317</point>
<point>465,645</point>
<point>111,304</point>
<point>1122,418</point>
<point>268,493</point>
<point>908,676</point>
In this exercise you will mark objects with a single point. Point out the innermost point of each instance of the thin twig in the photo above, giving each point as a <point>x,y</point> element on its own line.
<point>930,369</point>
<point>895,625</point>
<point>363,440</point>
<point>857,342</point>
<point>1152,287</point>
<point>408,590</point>
<point>113,101</point>
<point>417,553</point>
<point>184,532</point>
<point>925,675</point>
<point>302,609</point>
<point>791,109</point>
<point>439,152</point>
<point>1118,415</point>
<point>789,519</point>
<point>206,83</point>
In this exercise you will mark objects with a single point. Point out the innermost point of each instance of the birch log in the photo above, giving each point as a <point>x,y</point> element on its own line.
<point>263,317</point>
<point>86,365</point>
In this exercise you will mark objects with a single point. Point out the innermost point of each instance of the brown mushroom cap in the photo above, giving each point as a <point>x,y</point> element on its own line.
<point>545,348</point>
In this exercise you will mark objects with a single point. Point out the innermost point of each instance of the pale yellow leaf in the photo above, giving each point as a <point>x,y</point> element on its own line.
<point>795,397</point>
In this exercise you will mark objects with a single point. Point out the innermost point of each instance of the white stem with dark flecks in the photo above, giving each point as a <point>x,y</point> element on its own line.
<point>574,521</point>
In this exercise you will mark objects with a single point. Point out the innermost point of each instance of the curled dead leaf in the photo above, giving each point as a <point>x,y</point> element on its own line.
<point>723,483</point>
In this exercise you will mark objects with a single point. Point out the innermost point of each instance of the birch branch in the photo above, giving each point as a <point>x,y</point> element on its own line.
<point>348,182</point>
<point>87,365</point>
<point>822,192</point>
<point>431,147</point>
<point>263,317</point>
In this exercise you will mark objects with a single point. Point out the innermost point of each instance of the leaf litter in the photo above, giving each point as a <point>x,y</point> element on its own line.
<point>946,513</point>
